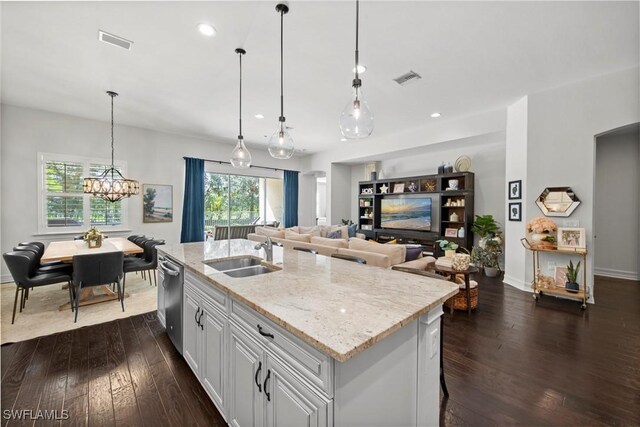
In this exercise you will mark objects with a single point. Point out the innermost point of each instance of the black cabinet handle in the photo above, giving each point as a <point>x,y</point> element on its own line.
<point>265,334</point>
<point>196,316</point>
<point>265,385</point>
<point>199,320</point>
<point>256,377</point>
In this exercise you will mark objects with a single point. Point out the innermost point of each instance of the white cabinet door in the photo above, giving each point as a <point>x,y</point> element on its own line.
<point>290,402</point>
<point>246,376</point>
<point>191,330</point>
<point>213,357</point>
<point>160,290</point>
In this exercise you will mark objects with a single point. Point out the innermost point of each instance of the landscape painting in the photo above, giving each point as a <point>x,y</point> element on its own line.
<point>157,203</point>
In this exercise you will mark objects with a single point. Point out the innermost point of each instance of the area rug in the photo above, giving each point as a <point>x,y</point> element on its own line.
<point>41,316</point>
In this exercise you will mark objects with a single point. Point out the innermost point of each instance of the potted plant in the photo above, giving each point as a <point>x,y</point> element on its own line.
<point>486,227</point>
<point>487,254</point>
<point>572,277</point>
<point>491,260</point>
<point>448,247</point>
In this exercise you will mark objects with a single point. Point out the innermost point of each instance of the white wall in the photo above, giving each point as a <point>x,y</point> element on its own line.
<point>562,124</point>
<point>617,198</point>
<point>152,157</point>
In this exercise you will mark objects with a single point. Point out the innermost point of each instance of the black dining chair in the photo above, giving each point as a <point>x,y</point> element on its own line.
<point>349,258</point>
<point>148,263</point>
<point>22,266</point>
<point>95,270</point>
<point>44,268</point>
<point>311,251</point>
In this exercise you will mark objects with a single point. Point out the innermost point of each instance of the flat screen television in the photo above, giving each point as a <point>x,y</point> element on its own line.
<point>406,213</point>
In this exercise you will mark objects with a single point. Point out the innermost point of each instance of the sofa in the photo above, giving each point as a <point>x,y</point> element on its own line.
<point>376,254</point>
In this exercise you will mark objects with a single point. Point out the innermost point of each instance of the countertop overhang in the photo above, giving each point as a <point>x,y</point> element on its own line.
<point>339,307</point>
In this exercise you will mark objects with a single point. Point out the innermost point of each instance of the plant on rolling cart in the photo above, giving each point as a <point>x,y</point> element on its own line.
<point>572,277</point>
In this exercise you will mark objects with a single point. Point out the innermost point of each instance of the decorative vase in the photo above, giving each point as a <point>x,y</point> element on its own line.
<point>491,271</point>
<point>461,262</point>
<point>572,287</point>
<point>538,240</point>
<point>453,217</point>
<point>449,253</point>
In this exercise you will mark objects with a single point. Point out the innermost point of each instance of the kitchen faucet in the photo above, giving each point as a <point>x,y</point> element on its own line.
<point>268,248</point>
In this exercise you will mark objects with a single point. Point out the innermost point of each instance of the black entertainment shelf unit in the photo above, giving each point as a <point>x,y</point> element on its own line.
<point>452,208</point>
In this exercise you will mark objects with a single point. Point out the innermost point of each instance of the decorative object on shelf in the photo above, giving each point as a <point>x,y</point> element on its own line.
<point>281,143</point>
<point>374,175</point>
<point>384,189</point>
<point>515,211</point>
<point>461,262</point>
<point>453,184</point>
<point>461,233</point>
<point>367,191</point>
<point>463,164</point>
<point>448,168</point>
<point>430,185</point>
<point>413,187</point>
<point>441,168</point>
<point>240,156</point>
<point>558,201</point>
<point>544,282</point>
<point>539,228</point>
<point>560,277</point>
<point>157,203</point>
<point>356,120</point>
<point>450,232</point>
<point>93,238</point>
<point>398,188</point>
<point>515,190</point>
<point>453,217</point>
<point>110,185</point>
<point>571,238</point>
<point>572,277</point>
<point>448,247</point>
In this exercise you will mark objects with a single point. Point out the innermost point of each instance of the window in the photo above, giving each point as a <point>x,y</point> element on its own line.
<point>241,200</point>
<point>64,207</point>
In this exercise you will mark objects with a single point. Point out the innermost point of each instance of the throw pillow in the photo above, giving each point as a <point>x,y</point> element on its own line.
<point>323,241</point>
<point>352,230</point>
<point>289,235</point>
<point>413,253</point>
<point>314,231</point>
<point>334,235</point>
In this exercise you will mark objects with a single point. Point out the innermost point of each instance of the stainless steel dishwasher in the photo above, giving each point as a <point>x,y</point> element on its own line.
<point>172,284</point>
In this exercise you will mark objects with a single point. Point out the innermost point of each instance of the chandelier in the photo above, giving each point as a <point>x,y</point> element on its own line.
<point>111,185</point>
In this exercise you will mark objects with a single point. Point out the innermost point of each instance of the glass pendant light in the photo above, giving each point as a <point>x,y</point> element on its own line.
<point>110,185</point>
<point>281,143</point>
<point>356,120</point>
<point>240,156</point>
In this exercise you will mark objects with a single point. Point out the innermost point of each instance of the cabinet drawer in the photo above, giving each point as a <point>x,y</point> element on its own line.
<point>314,365</point>
<point>218,298</point>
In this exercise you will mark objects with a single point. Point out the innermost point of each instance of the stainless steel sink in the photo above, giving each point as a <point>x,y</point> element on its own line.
<point>234,263</point>
<point>251,271</point>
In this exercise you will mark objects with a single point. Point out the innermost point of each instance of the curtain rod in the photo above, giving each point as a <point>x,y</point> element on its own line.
<point>222,162</point>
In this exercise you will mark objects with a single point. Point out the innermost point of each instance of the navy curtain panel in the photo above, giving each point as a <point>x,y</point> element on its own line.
<point>290,198</point>
<point>193,206</point>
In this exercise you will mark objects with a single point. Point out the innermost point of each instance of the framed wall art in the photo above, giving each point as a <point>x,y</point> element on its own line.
<point>157,203</point>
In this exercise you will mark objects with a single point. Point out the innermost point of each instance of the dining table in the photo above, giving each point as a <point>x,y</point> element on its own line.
<point>65,250</point>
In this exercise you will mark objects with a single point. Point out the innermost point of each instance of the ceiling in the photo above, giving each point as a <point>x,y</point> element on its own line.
<point>472,56</point>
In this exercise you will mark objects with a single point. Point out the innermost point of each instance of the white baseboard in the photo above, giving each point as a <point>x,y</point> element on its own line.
<point>617,274</point>
<point>517,283</point>
<point>6,278</point>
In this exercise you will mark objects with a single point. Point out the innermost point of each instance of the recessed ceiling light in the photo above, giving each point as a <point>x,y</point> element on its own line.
<point>343,139</point>
<point>361,69</point>
<point>207,30</point>
<point>435,115</point>
<point>259,116</point>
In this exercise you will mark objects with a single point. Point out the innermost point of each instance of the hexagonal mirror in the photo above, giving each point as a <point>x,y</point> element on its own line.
<point>557,201</point>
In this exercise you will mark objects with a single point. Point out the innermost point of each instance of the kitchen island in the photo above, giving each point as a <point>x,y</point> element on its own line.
<point>313,340</point>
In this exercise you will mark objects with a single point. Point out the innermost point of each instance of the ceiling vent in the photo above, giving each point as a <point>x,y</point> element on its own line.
<point>114,40</point>
<point>407,78</point>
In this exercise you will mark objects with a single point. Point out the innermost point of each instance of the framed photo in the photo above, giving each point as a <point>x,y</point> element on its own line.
<point>157,203</point>
<point>515,190</point>
<point>398,188</point>
<point>515,211</point>
<point>560,276</point>
<point>450,232</point>
<point>571,238</point>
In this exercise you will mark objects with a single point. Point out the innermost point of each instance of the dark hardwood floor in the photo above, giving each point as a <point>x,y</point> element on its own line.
<point>511,362</point>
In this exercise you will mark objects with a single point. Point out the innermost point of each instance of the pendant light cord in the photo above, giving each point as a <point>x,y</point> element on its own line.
<point>240,112</point>
<point>112,149</point>
<point>282,119</point>
<point>357,31</point>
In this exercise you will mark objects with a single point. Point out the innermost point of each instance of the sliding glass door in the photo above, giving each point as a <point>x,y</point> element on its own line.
<point>238,200</point>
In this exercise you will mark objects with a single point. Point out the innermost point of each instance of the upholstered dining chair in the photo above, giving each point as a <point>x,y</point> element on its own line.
<point>43,268</point>
<point>349,258</point>
<point>22,266</point>
<point>95,270</point>
<point>148,263</point>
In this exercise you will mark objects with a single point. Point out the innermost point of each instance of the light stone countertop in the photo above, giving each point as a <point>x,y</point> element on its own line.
<point>337,306</point>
